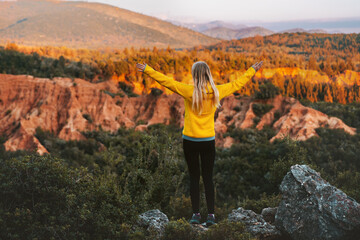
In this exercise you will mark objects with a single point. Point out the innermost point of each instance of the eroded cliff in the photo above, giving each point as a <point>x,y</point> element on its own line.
<point>68,107</point>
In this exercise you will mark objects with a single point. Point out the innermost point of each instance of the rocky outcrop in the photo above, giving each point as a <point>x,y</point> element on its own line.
<point>68,107</point>
<point>298,121</point>
<point>311,208</point>
<point>154,221</point>
<point>269,214</point>
<point>255,224</point>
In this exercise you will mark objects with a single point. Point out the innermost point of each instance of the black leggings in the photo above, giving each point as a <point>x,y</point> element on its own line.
<point>206,150</point>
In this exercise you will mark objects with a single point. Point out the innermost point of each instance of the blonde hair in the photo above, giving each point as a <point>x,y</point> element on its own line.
<point>202,76</point>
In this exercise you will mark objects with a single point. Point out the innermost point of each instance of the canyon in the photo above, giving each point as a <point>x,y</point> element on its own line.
<point>67,107</point>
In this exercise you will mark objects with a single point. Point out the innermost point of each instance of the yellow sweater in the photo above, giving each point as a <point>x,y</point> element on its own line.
<point>199,126</point>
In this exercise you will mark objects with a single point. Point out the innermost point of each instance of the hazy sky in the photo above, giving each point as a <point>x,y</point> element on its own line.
<point>241,11</point>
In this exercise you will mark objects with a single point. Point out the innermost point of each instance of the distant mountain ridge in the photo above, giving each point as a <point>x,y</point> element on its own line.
<point>201,27</point>
<point>93,25</point>
<point>228,34</point>
<point>294,30</point>
<point>228,31</point>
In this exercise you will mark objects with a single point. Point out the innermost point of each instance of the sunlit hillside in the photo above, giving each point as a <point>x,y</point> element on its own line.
<point>92,25</point>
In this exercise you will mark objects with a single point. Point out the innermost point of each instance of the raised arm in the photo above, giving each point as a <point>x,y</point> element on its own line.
<point>231,87</point>
<point>184,90</point>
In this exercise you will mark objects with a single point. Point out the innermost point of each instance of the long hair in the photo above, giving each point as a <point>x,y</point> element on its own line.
<point>202,76</point>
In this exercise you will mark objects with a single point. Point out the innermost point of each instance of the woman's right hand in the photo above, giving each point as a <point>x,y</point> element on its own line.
<point>141,67</point>
<point>257,65</point>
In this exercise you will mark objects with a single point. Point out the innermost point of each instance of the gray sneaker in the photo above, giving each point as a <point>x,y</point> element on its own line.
<point>210,220</point>
<point>195,219</point>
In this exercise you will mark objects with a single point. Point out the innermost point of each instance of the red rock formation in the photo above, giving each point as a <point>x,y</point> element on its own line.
<point>295,120</point>
<point>68,107</point>
<point>298,121</point>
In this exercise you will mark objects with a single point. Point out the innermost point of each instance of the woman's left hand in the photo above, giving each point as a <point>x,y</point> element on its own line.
<point>141,67</point>
<point>257,65</point>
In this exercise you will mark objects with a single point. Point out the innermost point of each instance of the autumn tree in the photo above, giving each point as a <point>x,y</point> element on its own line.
<point>328,96</point>
<point>312,63</point>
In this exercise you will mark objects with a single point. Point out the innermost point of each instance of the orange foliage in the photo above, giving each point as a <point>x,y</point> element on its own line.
<point>318,67</point>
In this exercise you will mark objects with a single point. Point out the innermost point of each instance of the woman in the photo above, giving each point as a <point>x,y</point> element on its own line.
<point>201,101</point>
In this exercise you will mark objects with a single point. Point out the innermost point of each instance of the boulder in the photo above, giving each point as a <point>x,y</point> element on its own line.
<point>199,228</point>
<point>311,208</point>
<point>255,224</point>
<point>153,221</point>
<point>269,214</point>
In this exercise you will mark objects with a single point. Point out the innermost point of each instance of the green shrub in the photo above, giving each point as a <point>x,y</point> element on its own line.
<point>141,122</point>
<point>109,93</point>
<point>237,108</point>
<point>256,120</point>
<point>348,181</point>
<point>87,117</point>
<point>277,116</point>
<point>260,109</point>
<point>7,112</point>
<point>179,230</point>
<point>127,88</point>
<point>295,154</point>
<point>42,198</point>
<point>180,207</point>
<point>14,62</point>
<point>227,230</point>
<point>266,90</point>
<point>156,92</point>
<point>257,205</point>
